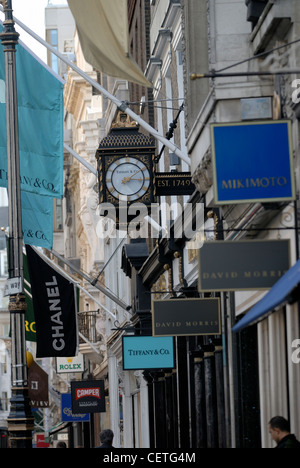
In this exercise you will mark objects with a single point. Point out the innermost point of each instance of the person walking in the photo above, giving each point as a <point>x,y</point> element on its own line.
<point>106,439</point>
<point>280,431</point>
<point>61,444</point>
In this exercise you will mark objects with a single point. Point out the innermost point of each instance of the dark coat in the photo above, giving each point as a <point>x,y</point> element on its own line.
<point>289,442</point>
<point>106,446</point>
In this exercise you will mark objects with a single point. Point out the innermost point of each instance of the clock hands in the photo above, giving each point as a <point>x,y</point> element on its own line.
<point>128,179</point>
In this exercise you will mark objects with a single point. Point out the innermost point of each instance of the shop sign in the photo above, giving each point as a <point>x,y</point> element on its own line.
<point>173,183</point>
<point>66,410</point>
<point>253,162</point>
<point>186,317</point>
<point>70,365</point>
<point>38,389</point>
<point>88,396</point>
<point>147,352</point>
<point>242,265</point>
<point>41,441</point>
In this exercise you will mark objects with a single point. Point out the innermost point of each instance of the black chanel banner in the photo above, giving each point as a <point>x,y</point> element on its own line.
<point>54,305</point>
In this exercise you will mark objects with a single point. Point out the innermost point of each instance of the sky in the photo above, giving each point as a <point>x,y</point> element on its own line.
<point>32,13</point>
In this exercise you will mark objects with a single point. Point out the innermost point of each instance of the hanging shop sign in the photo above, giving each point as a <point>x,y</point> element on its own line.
<point>38,389</point>
<point>66,410</point>
<point>146,352</point>
<point>88,396</point>
<point>173,183</point>
<point>69,365</point>
<point>186,317</point>
<point>242,265</point>
<point>253,162</point>
<point>41,441</point>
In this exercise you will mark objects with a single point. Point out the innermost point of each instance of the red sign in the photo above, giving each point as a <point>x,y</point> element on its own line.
<point>40,441</point>
<point>86,392</point>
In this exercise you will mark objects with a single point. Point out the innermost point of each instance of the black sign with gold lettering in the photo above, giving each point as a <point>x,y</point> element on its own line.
<point>242,265</point>
<point>186,317</point>
<point>173,183</point>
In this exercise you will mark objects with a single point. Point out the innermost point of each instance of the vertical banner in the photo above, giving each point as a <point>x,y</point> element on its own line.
<point>30,329</point>
<point>41,124</point>
<point>54,309</point>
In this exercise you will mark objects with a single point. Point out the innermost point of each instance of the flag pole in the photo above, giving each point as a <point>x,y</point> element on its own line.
<point>20,420</point>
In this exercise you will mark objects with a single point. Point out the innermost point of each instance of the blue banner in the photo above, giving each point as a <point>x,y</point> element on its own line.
<point>253,162</point>
<point>40,117</point>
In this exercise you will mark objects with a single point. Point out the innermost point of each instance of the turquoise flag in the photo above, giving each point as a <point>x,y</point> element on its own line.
<point>41,118</point>
<point>37,220</point>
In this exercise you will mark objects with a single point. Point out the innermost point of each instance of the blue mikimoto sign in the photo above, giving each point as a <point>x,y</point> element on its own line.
<point>253,162</point>
<point>146,352</point>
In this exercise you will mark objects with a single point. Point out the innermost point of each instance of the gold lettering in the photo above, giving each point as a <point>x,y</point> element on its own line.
<point>264,182</point>
<point>226,185</point>
<point>220,275</point>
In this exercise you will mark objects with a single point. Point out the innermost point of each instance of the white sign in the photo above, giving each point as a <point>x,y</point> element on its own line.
<point>13,286</point>
<point>70,365</point>
<point>2,92</point>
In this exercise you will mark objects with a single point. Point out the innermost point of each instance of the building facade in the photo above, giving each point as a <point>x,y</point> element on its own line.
<point>233,33</point>
<point>223,388</point>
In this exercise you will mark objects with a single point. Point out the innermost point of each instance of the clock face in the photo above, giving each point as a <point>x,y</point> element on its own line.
<point>127,179</point>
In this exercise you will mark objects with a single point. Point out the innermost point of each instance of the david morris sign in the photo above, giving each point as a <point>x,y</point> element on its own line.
<point>147,352</point>
<point>186,317</point>
<point>253,162</point>
<point>242,265</point>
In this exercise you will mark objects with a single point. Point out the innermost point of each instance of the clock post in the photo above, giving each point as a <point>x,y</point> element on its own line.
<point>125,161</point>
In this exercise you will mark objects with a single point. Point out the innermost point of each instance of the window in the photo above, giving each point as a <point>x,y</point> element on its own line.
<point>4,401</point>
<point>58,215</point>
<point>52,38</point>
<point>3,264</point>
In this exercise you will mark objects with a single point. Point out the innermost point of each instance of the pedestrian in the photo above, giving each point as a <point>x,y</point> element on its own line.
<point>61,445</point>
<point>280,431</point>
<point>106,439</point>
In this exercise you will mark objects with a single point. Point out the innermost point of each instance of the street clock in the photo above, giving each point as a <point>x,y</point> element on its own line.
<point>125,161</point>
<point>128,179</point>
